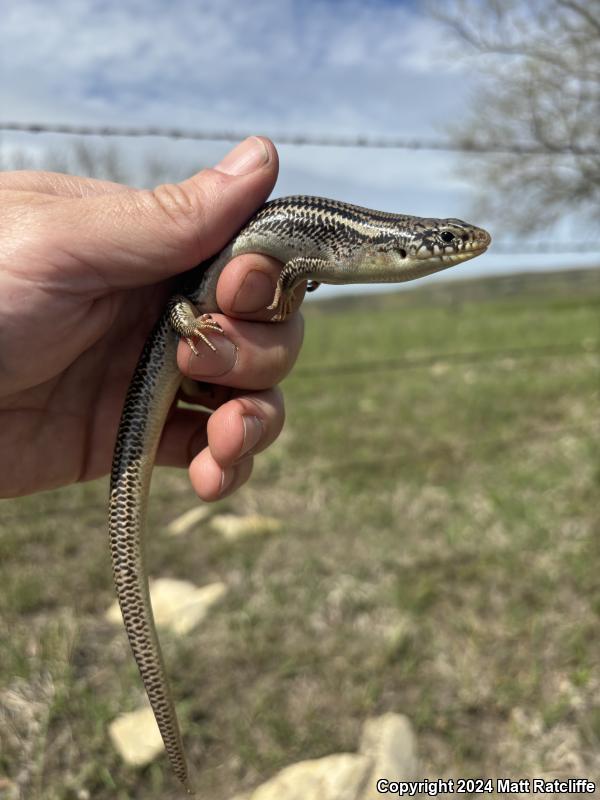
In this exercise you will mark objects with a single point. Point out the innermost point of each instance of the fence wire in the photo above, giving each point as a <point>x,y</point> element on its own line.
<point>304,139</point>
<point>356,141</point>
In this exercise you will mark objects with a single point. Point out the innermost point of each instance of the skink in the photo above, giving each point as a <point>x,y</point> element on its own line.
<point>319,241</point>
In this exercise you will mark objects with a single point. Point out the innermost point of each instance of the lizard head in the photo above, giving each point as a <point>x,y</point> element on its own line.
<point>447,241</point>
<point>418,246</point>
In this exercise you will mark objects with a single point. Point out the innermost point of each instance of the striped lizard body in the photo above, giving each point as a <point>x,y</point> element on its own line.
<point>319,241</point>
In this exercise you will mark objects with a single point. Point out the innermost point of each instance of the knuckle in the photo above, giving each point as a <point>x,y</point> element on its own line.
<point>180,207</point>
<point>174,201</point>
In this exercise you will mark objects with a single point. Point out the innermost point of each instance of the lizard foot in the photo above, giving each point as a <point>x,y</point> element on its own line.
<point>282,303</point>
<point>202,324</point>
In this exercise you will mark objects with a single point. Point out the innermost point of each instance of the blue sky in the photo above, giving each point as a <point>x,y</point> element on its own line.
<point>320,66</point>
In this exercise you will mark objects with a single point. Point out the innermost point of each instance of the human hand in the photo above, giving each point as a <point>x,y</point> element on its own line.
<point>84,273</point>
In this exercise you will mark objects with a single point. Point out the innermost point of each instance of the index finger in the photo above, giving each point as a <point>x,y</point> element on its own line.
<point>246,287</point>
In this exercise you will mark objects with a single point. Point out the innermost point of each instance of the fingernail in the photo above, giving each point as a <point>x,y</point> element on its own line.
<point>227,476</point>
<point>249,155</point>
<point>255,293</point>
<point>212,363</point>
<point>253,431</point>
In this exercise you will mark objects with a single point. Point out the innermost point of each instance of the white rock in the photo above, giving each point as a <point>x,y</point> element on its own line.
<point>232,527</point>
<point>177,605</point>
<point>136,737</point>
<point>387,750</point>
<point>184,522</point>
<point>336,777</point>
<point>391,745</point>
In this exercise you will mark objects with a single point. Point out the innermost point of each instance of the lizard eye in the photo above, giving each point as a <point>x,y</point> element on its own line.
<point>447,236</point>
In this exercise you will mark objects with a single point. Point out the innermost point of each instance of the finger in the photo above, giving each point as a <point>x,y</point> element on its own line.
<point>247,355</point>
<point>213,482</point>
<point>134,238</point>
<point>247,286</point>
<point>242,426</point>
<point>245,426</point>
<point>56,183</point>
<point>236,431</point>
<point>184,435</point>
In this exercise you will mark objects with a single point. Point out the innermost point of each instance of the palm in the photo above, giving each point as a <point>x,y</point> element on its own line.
<point>61,429</point>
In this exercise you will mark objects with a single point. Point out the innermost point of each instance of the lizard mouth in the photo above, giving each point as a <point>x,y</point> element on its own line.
<point>462,255</point>
<point>477,244</point>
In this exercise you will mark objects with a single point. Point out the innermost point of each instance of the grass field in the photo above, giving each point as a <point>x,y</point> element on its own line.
<point>438,478</point>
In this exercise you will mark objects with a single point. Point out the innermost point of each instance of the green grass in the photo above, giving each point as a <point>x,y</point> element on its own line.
<point>441,558</point>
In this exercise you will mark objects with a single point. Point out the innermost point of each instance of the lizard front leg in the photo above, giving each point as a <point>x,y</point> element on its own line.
<point>292,275</point>
<point>182,316</point>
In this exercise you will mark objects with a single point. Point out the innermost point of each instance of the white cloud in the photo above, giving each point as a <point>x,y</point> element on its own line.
<point>319,65</point>
<point>270,65</point>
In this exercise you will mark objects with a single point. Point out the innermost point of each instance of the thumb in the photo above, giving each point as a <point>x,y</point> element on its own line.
<point>137,237</point>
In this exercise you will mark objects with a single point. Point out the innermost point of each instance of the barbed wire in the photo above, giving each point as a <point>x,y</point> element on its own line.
<point>501,248</point>
<point>302,139</point>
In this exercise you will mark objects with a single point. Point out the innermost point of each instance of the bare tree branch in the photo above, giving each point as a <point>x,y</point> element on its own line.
<point>588,15</point>
<point>541,84</point>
